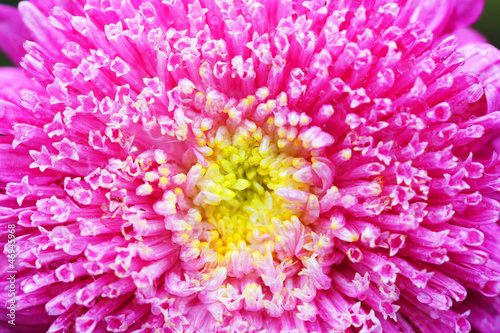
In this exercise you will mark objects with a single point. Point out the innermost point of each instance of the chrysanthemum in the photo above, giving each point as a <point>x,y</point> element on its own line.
<point>249,166</point>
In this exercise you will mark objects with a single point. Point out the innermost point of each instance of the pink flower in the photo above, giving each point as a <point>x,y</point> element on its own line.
<point>218,166</point>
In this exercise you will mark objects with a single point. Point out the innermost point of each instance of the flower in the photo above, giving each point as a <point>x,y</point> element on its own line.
<point>219,166</point>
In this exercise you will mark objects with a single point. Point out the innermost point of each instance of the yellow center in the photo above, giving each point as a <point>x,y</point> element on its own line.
<point>236,192</point>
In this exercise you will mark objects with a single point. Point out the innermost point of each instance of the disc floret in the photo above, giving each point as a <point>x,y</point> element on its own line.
<point>237,190</point>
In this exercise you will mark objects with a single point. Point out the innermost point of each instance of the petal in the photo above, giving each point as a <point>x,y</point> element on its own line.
<point>13,32</point>
<point>485,59</point>
<point>12,82</point>
<point>43,32</point>
<point>434,14</point>
<point>468,35</point>
<point>466,13</point>
<point>442,16</point>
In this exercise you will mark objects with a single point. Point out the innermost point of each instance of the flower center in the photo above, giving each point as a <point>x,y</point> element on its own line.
<point>238,187</point>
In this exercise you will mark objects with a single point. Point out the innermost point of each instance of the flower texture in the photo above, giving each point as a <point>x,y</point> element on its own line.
<point>250,166</point>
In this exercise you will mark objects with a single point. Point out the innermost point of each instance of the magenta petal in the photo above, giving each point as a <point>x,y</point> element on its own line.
<point>238,166</point>
<point>435,14</point>
<point>485,59</point>
<point>25,323</point>
<point>44,33</point>
<point>13,83</point>
<point>13,32</point>
<point>469,35</point>
<point>466,13</point>
<point>443,16</point>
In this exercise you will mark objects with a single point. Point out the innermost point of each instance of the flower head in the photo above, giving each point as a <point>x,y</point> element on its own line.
<point>219,166</point>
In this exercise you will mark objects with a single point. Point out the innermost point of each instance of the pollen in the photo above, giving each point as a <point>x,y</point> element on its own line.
<point>236,191</point>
